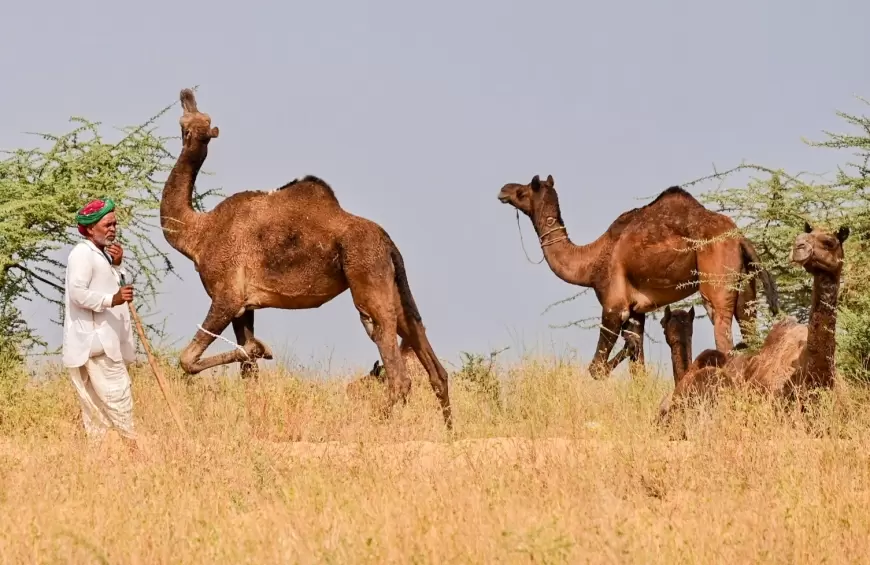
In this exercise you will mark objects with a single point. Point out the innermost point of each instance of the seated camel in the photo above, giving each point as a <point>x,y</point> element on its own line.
<point>797,357</point>
<point>793,357</point>
<point>701,376</point>
<point>649,257</point>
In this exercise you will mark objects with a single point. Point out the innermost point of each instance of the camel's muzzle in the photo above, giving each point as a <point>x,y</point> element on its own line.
<point>800,254</point>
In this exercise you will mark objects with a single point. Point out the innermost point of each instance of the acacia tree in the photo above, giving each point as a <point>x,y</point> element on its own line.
<point>40,191</point>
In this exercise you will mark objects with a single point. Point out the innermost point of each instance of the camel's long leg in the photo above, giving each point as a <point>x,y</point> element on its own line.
<point>632,334</point>
<point>716,288</point>
<point>622,355</point>
<point>611,322</point>
<point>243,327</point>
<point>633,348</point>
<point>374,300</point>
<point>414,335</point>
<point>406,351</point>
<point>216,322</point>
<point>635,329</point>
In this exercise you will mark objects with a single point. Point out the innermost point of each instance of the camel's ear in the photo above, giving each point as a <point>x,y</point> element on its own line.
<point>214,132</point>
<point>843,233</point>
<point>188,101</point>
<point>536,183</point>
<point>667,315</point>
<point>550,180</point>
<point>807,227</point>
<point>692,312</point>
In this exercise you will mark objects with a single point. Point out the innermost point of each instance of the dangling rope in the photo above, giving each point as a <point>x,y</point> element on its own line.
<point>540,239</point>
<point>523,245</point>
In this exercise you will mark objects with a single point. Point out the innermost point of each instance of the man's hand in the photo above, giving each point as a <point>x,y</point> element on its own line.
<point>116,252</point>
<point>125,294</point>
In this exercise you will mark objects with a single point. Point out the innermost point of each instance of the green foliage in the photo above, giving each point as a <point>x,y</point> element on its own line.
<point>477,372</point>
<point>40,191</point>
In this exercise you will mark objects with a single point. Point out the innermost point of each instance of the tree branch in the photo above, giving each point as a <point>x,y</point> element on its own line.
<point>31,274</point>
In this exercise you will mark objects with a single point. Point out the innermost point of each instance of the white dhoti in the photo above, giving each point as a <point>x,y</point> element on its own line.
<point>105,394</point>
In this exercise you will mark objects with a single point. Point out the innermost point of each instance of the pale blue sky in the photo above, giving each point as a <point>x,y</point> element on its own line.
<point>417,114</point>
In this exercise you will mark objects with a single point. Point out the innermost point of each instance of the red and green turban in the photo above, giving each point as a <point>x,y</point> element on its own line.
<point>93,212</point>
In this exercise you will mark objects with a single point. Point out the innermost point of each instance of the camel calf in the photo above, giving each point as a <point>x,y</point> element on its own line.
<point>703,375</point>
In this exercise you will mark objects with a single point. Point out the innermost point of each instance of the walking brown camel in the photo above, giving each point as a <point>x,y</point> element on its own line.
<point>649,257</point>
<point>291,248</point>
<point>793,357</point>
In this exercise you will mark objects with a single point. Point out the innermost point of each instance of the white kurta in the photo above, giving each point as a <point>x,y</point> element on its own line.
<point>98,342</point>
<point>91,324</point>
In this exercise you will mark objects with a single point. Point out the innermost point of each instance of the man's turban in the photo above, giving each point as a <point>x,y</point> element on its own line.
<point>93,212</point>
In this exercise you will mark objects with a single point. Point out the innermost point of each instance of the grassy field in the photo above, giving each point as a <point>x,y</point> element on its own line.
<point>553,468</point>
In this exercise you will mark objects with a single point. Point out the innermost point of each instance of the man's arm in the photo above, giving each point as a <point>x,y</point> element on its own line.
<point>79,271</point>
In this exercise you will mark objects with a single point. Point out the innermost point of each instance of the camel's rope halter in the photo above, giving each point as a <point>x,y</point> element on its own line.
<point>550,222</point>
<point>236,345</point>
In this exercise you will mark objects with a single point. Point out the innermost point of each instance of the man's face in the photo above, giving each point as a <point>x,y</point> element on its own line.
<point>103,232</point>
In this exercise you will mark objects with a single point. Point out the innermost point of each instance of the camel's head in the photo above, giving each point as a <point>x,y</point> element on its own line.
<point>678,325</point>
<point>195,125</point>
<point>536,198</point>
<point>819,251</point>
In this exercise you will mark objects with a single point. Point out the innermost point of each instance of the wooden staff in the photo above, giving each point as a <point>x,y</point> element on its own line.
<point>154,367</point>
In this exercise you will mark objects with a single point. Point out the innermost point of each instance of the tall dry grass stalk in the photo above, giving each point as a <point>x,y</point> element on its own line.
<point>558,468</point>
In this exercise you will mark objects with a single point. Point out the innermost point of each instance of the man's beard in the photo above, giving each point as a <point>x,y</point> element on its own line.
<point>105,241</point>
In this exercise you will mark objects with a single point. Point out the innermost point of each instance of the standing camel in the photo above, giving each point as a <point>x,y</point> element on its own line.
<point>647,259</point>
<point>291,248</point>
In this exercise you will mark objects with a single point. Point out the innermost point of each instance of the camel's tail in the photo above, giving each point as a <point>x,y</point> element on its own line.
<point>408,303</point>
<point>753,263</point>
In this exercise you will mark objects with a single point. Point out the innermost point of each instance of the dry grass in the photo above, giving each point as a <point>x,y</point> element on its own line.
<point>560,469</point>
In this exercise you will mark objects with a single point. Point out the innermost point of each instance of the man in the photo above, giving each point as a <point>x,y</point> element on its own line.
<point>98,335</point>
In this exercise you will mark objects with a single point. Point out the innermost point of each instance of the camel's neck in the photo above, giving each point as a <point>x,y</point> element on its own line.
<point>817,362</point>
<point>681,353</point>
<point>178,218</point>
<point>570,262</point>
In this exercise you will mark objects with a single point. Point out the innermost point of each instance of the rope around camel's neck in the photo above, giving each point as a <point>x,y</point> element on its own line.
<point>552,229</point>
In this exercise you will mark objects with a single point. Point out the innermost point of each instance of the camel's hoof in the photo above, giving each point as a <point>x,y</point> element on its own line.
<point>256,349</point>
